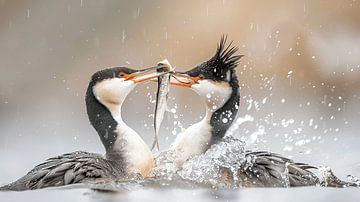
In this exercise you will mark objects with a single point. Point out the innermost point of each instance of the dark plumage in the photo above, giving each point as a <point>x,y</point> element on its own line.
<point>267,169</point>
<point>76,167</point>
<point>221,68</point>
<point>99,116</point>
<point>272,170</point>
<point>217,67</point>
<point>80,167</point>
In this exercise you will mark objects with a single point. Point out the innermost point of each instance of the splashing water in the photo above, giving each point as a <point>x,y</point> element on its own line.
<point>228,154</point>
<point>235,126</point>
<point>354,179</point>
<point>327,178</point>
<point>165,168</point>
<point>222,164</point>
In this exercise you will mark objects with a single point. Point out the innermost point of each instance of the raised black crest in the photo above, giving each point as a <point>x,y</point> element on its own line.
<point>220,66</point>
<point>225,55</point>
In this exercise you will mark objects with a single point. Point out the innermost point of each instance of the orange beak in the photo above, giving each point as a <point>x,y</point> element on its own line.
<point>145,74</point>
<point>181,79</point>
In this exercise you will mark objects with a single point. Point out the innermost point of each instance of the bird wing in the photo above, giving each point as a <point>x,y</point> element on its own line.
<point>271,169</point>
<point>66,169</point>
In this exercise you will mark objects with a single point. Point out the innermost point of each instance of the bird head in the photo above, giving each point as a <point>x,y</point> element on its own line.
<point>215,79</point>
<point>105,94</point>
<point>111,86</point>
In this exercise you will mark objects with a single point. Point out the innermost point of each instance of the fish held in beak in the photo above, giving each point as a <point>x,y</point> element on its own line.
<point>147,73</point>
<point>161,97</point>
<point>183,79</point>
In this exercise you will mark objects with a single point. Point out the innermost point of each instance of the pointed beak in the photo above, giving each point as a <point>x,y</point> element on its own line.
<point>146,74</point>
<point>183,79</point>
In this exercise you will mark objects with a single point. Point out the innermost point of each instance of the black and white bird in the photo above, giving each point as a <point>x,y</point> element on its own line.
<point>127,155</point>
<point>216,82</point>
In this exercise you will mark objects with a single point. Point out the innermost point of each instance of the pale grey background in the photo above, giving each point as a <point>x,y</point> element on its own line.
<point>301,67</point>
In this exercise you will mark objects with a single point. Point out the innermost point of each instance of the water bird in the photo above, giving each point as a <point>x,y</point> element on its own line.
<point>127,155</point>
<point>216,82</point>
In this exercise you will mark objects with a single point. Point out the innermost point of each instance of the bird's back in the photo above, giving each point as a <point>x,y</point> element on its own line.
<point>71,168</point>
<point>272,170</point>
<point>268,169</point>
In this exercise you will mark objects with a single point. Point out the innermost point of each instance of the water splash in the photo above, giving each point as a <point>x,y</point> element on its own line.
<point>229,154</point>
<point>354,179</point>
<point>239,121</point>
<point>328,179</point>
<point>165,167</point>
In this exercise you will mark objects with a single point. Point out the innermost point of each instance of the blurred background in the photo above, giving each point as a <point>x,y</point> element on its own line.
<point>300,77</point>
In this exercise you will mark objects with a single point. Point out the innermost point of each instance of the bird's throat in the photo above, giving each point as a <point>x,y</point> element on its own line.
<point>221,109</point>
<point>123,145</point>
<point>130,146</point>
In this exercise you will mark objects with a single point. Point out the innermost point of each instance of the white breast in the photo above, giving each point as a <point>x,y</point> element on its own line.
<point>215,93</point>
<point>193,141</point>
<point>139,157</point>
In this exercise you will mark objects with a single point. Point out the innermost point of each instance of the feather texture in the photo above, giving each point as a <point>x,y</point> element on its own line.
<point>67,169</point>
<point>225,55</point>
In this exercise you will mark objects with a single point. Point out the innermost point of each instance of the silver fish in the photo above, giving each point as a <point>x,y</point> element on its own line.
<point>161,97</point>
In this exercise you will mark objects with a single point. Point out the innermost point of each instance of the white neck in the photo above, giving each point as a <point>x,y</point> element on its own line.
<point>193,141</point>
<point>138,156</point>
<point>196,139</point>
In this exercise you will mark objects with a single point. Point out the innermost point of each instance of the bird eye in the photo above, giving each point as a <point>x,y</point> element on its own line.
<point>201,76</point>
<point>122,74</point>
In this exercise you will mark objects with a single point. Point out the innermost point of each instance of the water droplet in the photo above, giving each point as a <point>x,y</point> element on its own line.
<point>225,120</point>
<point>288,148</point>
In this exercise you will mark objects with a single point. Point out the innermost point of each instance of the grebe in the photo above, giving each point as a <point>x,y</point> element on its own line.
<point>127,155</point>
<point>216,82</point>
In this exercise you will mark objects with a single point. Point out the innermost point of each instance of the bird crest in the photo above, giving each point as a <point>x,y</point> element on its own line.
<point>225,55</point>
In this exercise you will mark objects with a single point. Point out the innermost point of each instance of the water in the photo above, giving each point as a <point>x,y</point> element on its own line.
<point>206,169</point>
<point>195,194</point>
<point>202,182</point>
